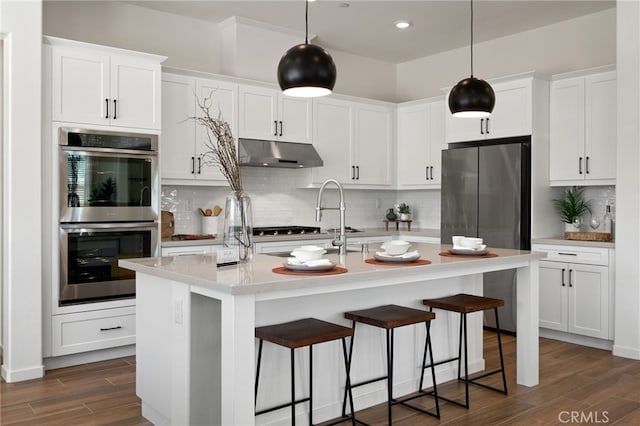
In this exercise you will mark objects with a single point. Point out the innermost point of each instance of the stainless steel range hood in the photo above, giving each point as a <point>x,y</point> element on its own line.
<point>263,153</point>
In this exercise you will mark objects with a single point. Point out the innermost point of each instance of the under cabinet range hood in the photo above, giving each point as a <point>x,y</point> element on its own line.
<point>263,153</point>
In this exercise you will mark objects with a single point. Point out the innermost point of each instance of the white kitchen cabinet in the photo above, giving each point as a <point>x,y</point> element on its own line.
<point>575,295</point>
<point>354,141</point>
<point>93,330</point>
<point>583,130</point>
<point>106,86</point>
<point>267,114</point>
<point>186,250</point>
<point>420,143</point>
<point>511,116</point>
<point>183,141</point>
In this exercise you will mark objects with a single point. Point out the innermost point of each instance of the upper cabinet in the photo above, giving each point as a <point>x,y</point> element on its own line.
<point>421,140</point>
<point>354,140</point>
<point>183,142</point>
<point>583,130</point>
<point>105,86</point>
<point>267,114</point>
<point>511,116</point>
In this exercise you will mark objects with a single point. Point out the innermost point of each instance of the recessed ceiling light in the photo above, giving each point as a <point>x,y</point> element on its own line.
<point>402,24</point>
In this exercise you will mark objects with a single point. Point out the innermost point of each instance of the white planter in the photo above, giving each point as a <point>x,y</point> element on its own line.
<point>405,216</point>
<point>570,227</point>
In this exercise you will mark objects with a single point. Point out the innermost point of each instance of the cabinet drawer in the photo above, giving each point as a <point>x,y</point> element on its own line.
<point>574,254</point>
<point>185,250</point>
<point>89,331</point>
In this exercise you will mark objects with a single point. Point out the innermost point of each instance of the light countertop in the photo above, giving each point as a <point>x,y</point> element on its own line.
<point>256,276</point>
<point>560,241</point>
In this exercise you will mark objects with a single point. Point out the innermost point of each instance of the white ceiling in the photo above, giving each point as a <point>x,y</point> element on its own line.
<point>366,27</point>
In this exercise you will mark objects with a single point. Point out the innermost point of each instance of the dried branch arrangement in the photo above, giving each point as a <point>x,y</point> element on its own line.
<point>220,144</point>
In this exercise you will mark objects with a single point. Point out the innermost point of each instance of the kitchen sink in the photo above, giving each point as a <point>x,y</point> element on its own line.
<point>330,250</point>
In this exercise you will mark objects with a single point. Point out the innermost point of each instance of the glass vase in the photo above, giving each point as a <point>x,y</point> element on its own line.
<point>237,224</point>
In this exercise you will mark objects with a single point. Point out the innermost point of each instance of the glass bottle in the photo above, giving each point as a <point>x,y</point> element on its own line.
<point>237,224</point>
<point>606,220</point>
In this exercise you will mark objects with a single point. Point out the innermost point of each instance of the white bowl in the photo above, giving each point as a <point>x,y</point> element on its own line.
<point>307,253</point>
<point>396,247</point>
<point>457,240</point>
<point>472,243</point>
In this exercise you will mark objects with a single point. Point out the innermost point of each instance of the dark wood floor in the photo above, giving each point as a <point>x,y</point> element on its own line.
<point>590,384</point>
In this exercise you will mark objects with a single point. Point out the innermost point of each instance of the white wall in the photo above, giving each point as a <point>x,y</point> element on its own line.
<point>21,30</point>
<point>627,290</point>
<point>188,43</point>
<point>575,44</point>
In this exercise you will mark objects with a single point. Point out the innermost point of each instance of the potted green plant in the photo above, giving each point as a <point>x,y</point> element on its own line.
<point>571,207</point>
<point>405,211</point>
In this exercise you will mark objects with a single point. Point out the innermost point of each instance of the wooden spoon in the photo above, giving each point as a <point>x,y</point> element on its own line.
<point>217,210</point>
<point>208,212</point>
<point>201,211</point>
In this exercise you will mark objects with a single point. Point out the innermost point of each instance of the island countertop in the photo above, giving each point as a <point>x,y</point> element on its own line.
<point>257,276</point>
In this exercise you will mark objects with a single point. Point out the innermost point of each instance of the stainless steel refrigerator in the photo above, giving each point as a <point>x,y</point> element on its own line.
<point>486,194</point>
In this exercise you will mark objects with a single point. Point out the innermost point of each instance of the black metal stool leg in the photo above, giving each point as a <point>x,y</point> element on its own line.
<point>293,389</point>
<point>460,347</point>
<point>310,385</point>
<point>433,370</point>
<point>466,362</point>
<point>348,384</point>
<point>504,376</point>
<point>389,373</point>
<point>255,396</point>
<point>347,387</point>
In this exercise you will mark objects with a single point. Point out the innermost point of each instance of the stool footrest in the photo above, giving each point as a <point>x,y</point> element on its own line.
<point>451,401</point>
<point>366,382</point>
<point>471,379</point>
<point>287,404</point>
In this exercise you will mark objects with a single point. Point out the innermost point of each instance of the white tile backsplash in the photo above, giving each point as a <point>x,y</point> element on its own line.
<point>275,200</point>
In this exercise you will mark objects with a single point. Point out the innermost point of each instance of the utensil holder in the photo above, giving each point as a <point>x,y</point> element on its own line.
<point>210,225</point>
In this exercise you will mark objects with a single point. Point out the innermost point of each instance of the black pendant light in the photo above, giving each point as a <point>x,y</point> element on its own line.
<point>472,97</point>
<point>306,70</point>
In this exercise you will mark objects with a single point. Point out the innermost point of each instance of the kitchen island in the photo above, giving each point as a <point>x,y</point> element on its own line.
<point>195,330</point>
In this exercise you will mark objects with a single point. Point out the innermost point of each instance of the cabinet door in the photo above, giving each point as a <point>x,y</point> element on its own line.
<point>600,122</point>
<point>460,129</point>
<point>295,119</point>
<point>566,131</point>
<point>437,142</point>
<point>333,135</point>
<point>135,93</point>
<point>177,160</point>
<point>413,145</point>
<point>80,83</point>
<point>511,115</point>
<point>589,300</point>
<point>258,113</point>
<point>223,99</point>
<point>373,147</point>
<point>553,295</point>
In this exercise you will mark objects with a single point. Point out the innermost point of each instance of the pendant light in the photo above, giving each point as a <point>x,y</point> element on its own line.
<point>472,97</point>
<point>306,70</point>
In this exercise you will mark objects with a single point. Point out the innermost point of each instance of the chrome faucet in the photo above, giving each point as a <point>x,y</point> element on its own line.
<point>341,241</point>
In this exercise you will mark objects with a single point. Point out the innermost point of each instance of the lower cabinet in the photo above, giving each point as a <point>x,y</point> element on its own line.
<point>575,297</point>
<point>184,250</point>
<point>93,330</point>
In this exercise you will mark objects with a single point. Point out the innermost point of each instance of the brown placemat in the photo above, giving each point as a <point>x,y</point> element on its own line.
<point>285,271</point>
<point>468,256</point>
<point>374,261</point>
<point>182,237</point>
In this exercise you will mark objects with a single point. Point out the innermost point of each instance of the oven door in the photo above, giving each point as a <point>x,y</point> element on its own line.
<point>107,185</point>
<point>89,255</point>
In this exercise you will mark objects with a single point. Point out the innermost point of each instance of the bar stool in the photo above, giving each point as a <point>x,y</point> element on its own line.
<point>391,317</point>
<point>464,304</point>
<point>298,334</point>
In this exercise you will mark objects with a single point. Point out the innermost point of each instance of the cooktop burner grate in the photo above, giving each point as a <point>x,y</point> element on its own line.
<point>285,230</point>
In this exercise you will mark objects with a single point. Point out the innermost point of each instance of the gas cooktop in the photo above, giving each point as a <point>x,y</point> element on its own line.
<point>285,230</point>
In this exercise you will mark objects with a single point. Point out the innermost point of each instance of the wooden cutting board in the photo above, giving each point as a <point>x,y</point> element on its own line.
<point>167,224</point>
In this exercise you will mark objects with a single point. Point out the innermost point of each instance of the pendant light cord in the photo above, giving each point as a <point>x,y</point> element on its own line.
<point>306,22</point>
<point>471,38</point>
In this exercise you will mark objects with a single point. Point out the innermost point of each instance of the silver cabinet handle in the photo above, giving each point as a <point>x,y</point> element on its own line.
<point>563,284</point>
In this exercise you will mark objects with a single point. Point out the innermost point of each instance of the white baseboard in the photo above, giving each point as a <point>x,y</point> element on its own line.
<point>12,376</point>
<point>577,339</point>
<point>87,357</point>
<point>626,352</point>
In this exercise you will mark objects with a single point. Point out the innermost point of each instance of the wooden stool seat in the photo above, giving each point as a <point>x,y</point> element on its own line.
<point>390,316</point>
<point>303,332</point>
<point>464,303</point>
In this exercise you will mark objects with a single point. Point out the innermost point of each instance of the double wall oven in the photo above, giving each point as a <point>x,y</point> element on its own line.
<point>109,187</point>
